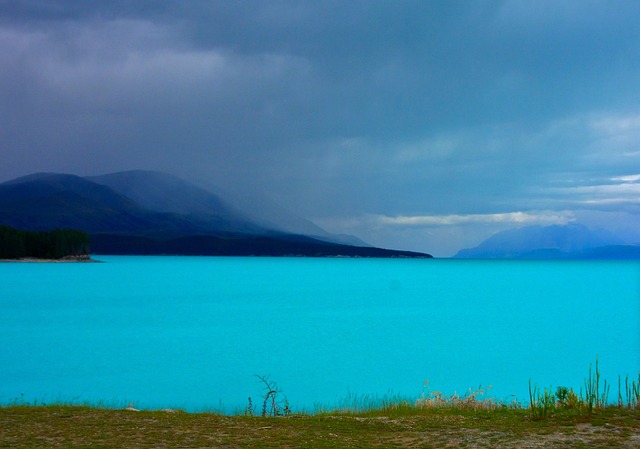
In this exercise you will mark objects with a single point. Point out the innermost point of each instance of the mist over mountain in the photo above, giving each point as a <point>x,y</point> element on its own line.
<point>270,214</point>
<point>142,212</point>
<point>572,241</point>
<point>168,194</point>
<point>162,192</point>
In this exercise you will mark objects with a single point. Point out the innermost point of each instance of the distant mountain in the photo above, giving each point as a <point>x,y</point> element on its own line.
<point>152,213</point>
<point>573,241</point>
<point>609,252</point>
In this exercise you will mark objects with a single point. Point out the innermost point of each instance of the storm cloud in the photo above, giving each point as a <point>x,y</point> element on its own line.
<point>414,125</point>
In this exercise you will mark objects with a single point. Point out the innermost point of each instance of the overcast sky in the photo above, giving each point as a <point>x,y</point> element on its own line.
<point>424,125</point>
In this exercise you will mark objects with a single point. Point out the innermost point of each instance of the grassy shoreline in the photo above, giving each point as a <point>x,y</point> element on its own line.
<point>559,418</point>
<point>60,426</point>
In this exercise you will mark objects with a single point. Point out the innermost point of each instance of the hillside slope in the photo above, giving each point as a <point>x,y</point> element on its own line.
<point>152,213</point>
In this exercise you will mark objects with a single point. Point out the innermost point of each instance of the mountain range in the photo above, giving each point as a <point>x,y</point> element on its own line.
<point>572,241</point>
<point>144,212</point>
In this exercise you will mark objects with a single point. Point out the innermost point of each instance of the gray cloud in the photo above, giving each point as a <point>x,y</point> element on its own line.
<point>338,110</point>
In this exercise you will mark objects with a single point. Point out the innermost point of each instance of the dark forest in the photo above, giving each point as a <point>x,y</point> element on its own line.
<point>56,244</point>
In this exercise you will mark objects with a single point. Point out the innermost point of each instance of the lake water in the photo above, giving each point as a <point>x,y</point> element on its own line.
<point>192,332</point>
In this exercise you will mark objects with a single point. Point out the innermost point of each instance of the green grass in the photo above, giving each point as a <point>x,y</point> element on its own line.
<point>59,426</point>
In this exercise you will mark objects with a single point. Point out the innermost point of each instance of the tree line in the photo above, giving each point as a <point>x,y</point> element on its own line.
<point>56,244</point>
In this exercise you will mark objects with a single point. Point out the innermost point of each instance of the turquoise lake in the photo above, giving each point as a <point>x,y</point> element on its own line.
<point>192,332</point>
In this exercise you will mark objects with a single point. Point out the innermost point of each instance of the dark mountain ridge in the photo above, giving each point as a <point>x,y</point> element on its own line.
<point>239,245</point>
<point>48,201</point>
<point>153,213</point>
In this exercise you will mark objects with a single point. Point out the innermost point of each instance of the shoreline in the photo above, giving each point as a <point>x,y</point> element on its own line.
<point>66,427</point>
<point>66,259</point>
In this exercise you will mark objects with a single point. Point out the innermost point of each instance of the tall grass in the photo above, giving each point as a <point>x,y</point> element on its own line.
<point>632,392</point>
<point>595,396</point>
<point>543,403</point>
